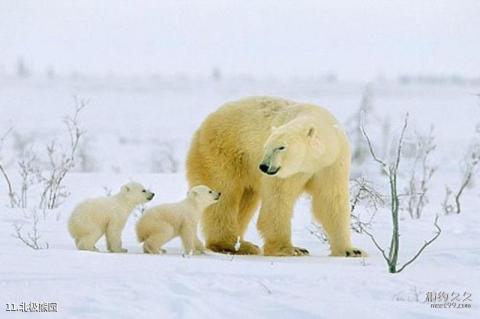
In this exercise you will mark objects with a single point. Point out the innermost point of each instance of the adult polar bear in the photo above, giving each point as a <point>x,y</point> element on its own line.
<point>273,150</point>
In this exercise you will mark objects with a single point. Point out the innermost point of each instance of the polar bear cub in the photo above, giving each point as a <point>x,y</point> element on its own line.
<point>106,215</point>
<point>162,223</point>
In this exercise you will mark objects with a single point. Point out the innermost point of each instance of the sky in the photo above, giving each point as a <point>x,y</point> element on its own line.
<point>356,40</point>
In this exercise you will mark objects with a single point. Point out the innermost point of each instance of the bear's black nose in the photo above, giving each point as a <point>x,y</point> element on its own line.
<point>263,168</point>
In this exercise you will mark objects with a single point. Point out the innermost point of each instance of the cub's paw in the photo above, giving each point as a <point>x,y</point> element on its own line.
<point>248,248</point>
<point>284,251</point>
<point>350,252</point>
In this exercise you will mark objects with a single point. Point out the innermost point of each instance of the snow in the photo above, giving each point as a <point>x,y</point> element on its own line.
<point>147,74</point>
<point>102,285</point>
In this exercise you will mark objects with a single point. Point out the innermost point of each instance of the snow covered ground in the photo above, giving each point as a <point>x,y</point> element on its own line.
<point>102,285</point>
<point>127,119</point>
<point>151,72</point>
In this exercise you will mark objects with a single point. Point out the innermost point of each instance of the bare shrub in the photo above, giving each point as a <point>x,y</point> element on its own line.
<point>11,193</point>
<point>28,174</point>
<point>452,201</point>
<point>360,152</point>
<point>12,196</point>
<point>363,192</point>
<point>31,237</point>
<point>391,171</point>
<point>317,231</point>
<point>421,174</point>
<point>61,162</point>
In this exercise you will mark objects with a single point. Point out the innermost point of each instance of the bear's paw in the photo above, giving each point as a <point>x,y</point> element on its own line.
<point>350,252</point>
<point>248,248</point>
<point>284,251</point>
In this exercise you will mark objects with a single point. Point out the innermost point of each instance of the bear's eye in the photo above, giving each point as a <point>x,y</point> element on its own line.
<point>210,192</point>
<point>144,191</point>
<point>281,148</point>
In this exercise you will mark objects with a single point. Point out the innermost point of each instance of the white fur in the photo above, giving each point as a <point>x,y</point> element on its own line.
<point>106,215</point>
<point>160,224</point>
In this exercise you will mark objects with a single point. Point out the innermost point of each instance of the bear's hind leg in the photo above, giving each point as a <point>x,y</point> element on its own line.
<point>153,244</point>
<point>87,242</point>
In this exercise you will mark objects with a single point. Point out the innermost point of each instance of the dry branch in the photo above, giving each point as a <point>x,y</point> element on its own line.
<point>61,163</point>
<point>11,194</point>
<point>32,237</point>
<point>425,245</point>
<point>391,170</point>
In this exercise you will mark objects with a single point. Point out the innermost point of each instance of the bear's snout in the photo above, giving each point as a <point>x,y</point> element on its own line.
<point>269,170</point>
<point>263,168</point>
<point>150,197</point>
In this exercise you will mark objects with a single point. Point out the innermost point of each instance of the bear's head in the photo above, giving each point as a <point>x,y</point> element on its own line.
<point>290,150</point>
<point>136,193</point>
<point>203,196</point>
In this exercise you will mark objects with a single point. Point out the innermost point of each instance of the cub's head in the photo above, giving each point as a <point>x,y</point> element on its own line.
<point>286,150</point>
<point>136,193</point>
<point>203,195</point>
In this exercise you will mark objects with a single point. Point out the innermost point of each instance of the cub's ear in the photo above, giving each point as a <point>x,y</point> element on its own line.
<point>125,188</point>
<point>311,132</point>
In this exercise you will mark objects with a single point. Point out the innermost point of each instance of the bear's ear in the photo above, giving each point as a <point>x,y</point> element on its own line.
<point>125,188</point>
<point>311,132</point>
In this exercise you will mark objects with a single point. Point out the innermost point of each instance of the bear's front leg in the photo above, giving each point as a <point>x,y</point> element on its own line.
<point>331,207</point>
<point>187,235</point>
<point>114,239</point>
<point>220,222</point>
<point>274,220</point>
